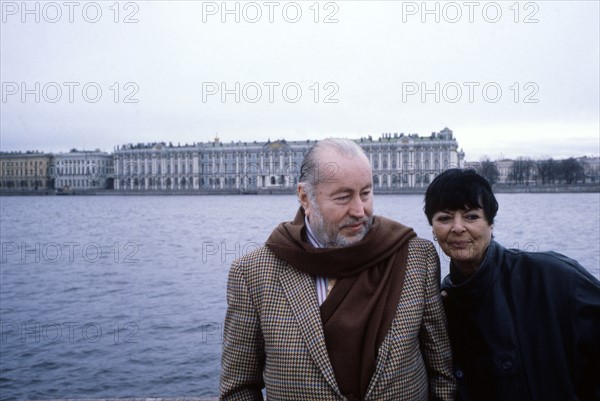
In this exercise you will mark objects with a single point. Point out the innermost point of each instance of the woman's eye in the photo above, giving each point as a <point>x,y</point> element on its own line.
<point>472,217</point>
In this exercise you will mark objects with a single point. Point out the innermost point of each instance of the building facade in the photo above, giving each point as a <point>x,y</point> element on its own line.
<point>398,161</point>
<point>82,170</point>
<point>209,166</point>
<point>76,170</point>
<point>504,167</point>
<point>591,167</point>
<point>410,161</point>
<point>25,171</point>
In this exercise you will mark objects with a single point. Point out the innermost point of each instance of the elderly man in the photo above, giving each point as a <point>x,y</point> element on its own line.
<point>339,304</point>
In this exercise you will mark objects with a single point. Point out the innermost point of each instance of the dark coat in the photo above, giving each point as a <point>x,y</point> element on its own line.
<point>525,326</point>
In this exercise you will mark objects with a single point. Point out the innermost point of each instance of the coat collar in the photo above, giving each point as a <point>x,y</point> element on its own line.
<point>477,286</point>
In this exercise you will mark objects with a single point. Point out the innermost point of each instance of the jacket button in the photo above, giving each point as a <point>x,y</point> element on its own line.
<point>459,373</point>
<point>507,365</point>
<point>444,293</point>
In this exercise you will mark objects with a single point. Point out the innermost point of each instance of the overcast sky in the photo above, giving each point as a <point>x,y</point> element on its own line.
<point>509,78</point>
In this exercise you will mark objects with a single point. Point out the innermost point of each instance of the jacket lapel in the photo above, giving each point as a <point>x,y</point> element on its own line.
<point>300,290</point>
<point>396,330</point>
<point>382,356</point>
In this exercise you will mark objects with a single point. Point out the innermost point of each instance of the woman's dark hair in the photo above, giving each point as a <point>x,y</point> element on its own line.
<point>456,189</point>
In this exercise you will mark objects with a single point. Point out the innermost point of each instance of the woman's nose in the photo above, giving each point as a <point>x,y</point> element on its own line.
<point>458,226</point>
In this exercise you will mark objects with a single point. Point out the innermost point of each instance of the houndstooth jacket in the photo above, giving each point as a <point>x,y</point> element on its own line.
<point>273,335</point>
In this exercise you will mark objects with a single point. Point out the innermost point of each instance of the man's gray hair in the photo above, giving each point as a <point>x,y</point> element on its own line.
<point>311,164</point>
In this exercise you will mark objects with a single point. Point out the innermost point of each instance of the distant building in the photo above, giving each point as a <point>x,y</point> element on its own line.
<point>504,167</point>
<point>25,171</point>
<point>591,168</point>
<point>398,160</point>
<point>82,170</point>
<point>31,171</point>
<point>531,170</point>
<point>409,161</point>
<point>212,165</point>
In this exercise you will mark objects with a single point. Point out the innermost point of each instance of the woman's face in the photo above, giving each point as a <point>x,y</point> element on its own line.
<point>464,235</point>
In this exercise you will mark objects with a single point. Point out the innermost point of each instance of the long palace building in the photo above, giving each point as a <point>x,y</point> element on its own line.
<point>398,161</point>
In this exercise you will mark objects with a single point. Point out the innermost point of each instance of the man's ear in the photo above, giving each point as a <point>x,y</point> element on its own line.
<point>303,198</point>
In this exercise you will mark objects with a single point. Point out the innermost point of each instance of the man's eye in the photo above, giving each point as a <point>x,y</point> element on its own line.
<point>342,198</point>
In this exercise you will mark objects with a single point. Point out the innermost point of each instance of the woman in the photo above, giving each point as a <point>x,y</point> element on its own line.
<point>523,325</point>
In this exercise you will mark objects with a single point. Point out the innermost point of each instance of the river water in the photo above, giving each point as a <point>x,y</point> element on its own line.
<point>124,296</point>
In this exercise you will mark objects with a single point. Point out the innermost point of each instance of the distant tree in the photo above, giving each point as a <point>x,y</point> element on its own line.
<point>489,171</point>
<point>571,171</point>
<point>521,171</point>
<point>548,171</point>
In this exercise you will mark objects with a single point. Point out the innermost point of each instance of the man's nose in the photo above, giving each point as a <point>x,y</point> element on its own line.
<point>357,207</point>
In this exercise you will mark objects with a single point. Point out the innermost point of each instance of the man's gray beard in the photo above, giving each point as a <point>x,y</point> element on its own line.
<point>330,237</point>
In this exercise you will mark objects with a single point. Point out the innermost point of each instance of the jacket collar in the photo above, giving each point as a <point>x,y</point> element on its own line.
<point>477,286</point>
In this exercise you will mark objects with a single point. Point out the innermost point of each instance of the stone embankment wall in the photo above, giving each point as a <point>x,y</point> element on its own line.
<point>142,399</point>
<point>290,191</point>
<point>546,188</point>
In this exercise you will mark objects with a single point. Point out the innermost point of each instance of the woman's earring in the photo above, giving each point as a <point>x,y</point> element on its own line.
<point>434,237</point>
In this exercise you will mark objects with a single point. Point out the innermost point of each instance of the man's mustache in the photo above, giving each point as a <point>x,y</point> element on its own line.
<point>352,221</point>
